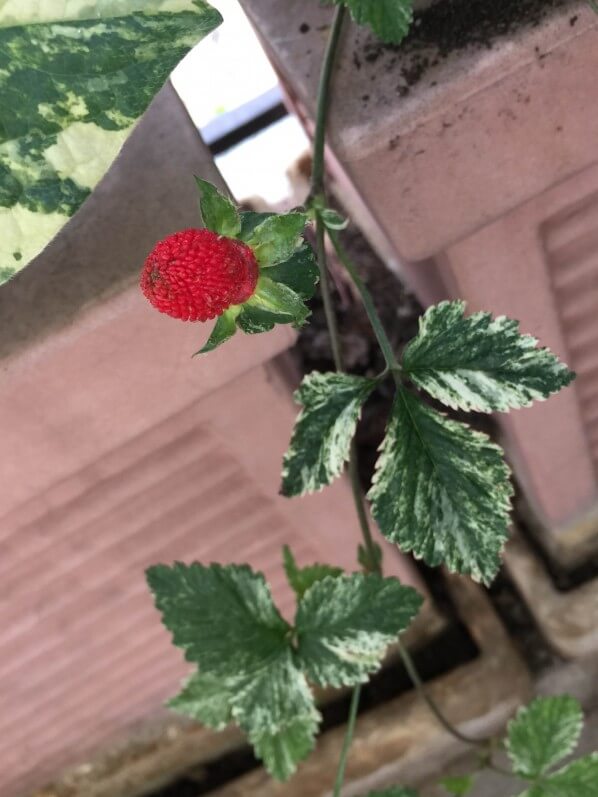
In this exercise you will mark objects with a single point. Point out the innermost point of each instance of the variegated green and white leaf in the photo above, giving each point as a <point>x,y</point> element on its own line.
<point>74,79</point>
<point>480,363</point>
<point>544,733</point>
<point>579,779</point>
<point>344,625</point>
<point>224,618</point>
<point>322,436</point>
<point>441,490</point>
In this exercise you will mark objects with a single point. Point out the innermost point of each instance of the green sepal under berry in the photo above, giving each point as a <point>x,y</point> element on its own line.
<point>224,329</point>
<point>275,239</point>
<point>480,363</point>
<point>441,490</point>
<point>283,287</point>
<point>218,213</point>
<point>302,578</point>
<point>345,624</point>
<point>389,19</point>
<point>321,440</point>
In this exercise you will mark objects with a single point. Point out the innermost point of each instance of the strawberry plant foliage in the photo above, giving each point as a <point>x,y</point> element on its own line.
<point>324,430</point>
<point>480,363</point>
<point>543,734</point>
<point>441,490</point>
<point>253,666</point>
<point>539,738</point>
<point>389,19</point>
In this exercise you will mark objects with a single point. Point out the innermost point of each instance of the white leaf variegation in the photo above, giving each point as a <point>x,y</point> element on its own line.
<point>224,618</point>
<point>74,79</point>
<point>345,623</point>
<point>480,363</point>
<point>441,490</point>
<point>322,436</point>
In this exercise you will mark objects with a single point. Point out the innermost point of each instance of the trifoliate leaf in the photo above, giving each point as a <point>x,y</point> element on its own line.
<point>579,779</point>
<point>345,624</point>
<point>224,619</point>
<point>302,578</point>
<point>279,301</point>
<point>197,603</point>
<point>393,791</point>
<point>389,19</point>
<point>480,363</point>
<point>207,699</point>
<point>441,490</point>
<point>217,211</point>
<point>224,329</point>
<point>74,79</point>
<point>322,436</point>
<point>276,238</point>
<point>544,733</point>
<point>458,786</point>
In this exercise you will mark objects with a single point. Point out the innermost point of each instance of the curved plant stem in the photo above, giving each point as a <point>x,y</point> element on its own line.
<point>331,323</point>
<point>425,696</point>
<point>340,774</point>
<point>368,303</point>
<point>323,102</point>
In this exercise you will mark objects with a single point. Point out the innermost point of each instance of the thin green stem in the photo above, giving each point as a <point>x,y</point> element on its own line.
<point>342,766</point>
<point>368,303</point>
<point>426,697</point>
<point>331,323</point>
<point>323,102</point>
<point>374,564</point>
<point>317,193</point>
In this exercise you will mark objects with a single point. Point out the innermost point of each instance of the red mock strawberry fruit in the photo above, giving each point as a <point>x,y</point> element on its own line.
<point>196,275</point>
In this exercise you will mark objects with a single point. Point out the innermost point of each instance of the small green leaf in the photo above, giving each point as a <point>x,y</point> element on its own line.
<point>207,699</point>
<point>389,19</point>
<point>333,220</point>
<point>276,298</point>
<point>322,436</point>
<point>458,786</point>
<point>302,578</point>
<point>224,329</point>
<point>393,791</point>
<point>579,779</point>
<point>224,619</point>
<point>299,273</point>
<point>479,363</point>
<point>544,733</point>
<point>441,490</point>
<point>217,211</point>
<point>345,624</point>
<point>277,238</point>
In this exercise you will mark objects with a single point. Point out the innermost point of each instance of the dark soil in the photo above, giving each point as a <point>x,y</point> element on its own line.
<point>448,26</point>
